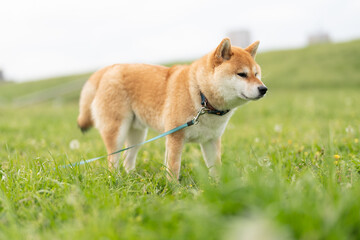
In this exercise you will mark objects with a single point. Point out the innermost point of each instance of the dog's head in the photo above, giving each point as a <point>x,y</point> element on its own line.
<point>235,76</point>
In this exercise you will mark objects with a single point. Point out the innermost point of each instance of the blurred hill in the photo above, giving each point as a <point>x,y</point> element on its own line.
<point>11,91</point>
<point>319,66</point>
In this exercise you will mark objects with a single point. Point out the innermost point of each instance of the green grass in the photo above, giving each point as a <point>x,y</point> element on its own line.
<point>291,167</point>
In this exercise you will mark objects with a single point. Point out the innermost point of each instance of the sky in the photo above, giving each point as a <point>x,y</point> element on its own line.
<point>42,38</point>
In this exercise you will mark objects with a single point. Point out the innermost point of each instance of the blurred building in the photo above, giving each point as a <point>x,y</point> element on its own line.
<point>240,38</point>
<point>2,76</point>
<point>319,37</point>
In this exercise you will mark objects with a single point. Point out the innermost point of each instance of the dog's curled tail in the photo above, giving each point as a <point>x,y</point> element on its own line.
<point>87,95</point>
<point>85,119</point>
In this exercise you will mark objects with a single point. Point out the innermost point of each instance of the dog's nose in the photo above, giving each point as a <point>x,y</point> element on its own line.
<point>262,89</point>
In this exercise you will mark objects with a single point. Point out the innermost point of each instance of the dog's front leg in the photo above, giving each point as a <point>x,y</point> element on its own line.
<point>174,146</point>
<point>212,155</point>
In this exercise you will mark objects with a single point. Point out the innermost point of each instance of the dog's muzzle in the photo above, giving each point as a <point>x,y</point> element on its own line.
<point>262,90</point>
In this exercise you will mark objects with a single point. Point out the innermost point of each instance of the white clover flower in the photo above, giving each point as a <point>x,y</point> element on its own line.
<point>349,129</point>
<point>74,144</point>
<point>278,128</point>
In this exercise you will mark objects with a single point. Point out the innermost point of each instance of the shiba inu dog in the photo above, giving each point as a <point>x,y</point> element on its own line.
<point>123,100</point>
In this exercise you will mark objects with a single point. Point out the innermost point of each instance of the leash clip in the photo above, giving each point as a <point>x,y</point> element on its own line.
<point>200,112</point>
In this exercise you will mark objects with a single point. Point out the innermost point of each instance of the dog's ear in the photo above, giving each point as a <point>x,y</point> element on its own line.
<point>253,48</point>
<point>223,51</point>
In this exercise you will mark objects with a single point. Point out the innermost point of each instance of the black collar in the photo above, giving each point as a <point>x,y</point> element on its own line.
<point>209,108</point>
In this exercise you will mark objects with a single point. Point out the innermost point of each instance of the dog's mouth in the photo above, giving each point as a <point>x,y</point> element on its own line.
<point>247,98</point>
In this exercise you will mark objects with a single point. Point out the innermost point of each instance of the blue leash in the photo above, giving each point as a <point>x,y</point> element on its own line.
<point>188,124</point>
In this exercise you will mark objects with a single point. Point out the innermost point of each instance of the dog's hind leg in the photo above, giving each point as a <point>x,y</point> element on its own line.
<point>113,122</point>
<point>114,137</point>
<point>135,136</point>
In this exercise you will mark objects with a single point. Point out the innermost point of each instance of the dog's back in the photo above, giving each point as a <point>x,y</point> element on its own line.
<point>143,86</point>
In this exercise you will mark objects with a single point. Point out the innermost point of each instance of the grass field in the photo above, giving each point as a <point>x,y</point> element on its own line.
<point>291,165</point>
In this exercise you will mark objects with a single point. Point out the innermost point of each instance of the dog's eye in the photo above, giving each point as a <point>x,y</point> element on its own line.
<point>256,74</point>
<point>244,75</point>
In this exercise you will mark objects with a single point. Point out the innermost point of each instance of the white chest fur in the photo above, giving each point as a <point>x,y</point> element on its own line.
<point>210,127</point>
